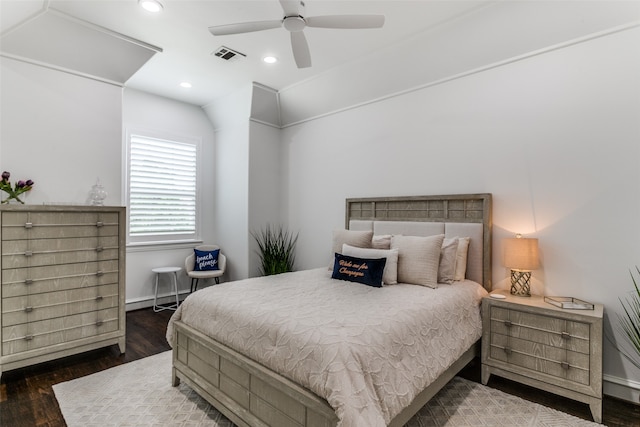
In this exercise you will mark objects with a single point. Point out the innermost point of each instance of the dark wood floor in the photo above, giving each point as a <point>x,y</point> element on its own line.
<point>27,399</point>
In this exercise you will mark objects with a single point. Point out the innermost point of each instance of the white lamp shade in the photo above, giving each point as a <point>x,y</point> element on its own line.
<point>521,254</point>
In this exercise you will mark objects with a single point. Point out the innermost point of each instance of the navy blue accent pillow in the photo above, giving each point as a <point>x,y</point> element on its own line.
<point>206,260</point>
<point>367,271</point>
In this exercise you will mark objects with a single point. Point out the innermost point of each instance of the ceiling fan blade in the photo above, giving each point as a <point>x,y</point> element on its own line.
<point>290,7</point>
<point>244,27</point>
<point>346,21</point>
<point>300,49</point>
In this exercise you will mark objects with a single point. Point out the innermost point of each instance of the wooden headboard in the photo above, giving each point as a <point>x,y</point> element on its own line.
<point>447,209</point>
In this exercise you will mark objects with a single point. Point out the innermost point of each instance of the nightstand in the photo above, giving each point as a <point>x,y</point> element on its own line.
<point>528,340</point>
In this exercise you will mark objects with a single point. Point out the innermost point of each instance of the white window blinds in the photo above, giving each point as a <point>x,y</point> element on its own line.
<point>162,188</point>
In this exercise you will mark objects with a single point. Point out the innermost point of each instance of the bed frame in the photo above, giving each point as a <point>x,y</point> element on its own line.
<point>251,395</point>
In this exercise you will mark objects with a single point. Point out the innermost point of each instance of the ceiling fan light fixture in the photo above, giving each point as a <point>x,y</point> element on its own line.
<point>270,59</point>
<point>153,6</point>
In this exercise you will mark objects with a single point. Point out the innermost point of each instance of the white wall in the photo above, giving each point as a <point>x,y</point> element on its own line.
<point>230,116</point>
<point>554,137</point>
<point>169,119</point>
<point>232,203</point>
<point>265,184</point>
<point>248,173</point>
<point>60,130</point>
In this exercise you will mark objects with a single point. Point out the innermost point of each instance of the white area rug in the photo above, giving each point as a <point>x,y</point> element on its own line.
<point>140,394</point>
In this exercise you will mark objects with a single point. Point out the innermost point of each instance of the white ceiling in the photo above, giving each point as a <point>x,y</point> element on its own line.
<point>181,33</point>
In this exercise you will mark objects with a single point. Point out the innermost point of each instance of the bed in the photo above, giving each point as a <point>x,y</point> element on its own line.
<point>259,371</point>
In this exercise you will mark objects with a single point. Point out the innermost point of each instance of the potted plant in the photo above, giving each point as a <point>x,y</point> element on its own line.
<point>13,193</point>
<point>276,247</point>
<point>630,322</point>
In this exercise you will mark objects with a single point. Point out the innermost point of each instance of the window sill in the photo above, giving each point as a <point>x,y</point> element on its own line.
<point>162,246</point>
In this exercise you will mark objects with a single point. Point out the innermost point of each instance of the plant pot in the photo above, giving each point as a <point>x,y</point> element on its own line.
<point>12,201</point>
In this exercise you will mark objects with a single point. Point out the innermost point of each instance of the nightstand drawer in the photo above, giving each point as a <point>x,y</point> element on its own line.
<point>537,328</point>
<point>558,362</point>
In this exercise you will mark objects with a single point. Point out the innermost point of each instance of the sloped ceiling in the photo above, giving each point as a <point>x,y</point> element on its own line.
<point>48,37</point>
<point>491,36</point>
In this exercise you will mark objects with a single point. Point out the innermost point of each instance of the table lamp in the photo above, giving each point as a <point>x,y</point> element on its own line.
<point>521,256</point>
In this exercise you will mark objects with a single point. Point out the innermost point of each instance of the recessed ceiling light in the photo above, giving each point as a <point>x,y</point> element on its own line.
<point>270,59</point>
<point>151,5</point>
<point>185,85</point>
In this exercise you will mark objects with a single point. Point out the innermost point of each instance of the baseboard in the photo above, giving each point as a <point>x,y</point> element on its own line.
<point>146,302</point>
<point>621,388</point>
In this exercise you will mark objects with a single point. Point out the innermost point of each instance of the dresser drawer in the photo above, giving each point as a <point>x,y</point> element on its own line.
<point>34,280</point>
<point>39,252</point>
<point>34,335</point>
<point>57,225</point>
<point>32,308</point>
<point>538,328</point>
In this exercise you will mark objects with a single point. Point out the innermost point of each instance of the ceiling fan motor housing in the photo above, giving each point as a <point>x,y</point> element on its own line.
<point>294,23</point>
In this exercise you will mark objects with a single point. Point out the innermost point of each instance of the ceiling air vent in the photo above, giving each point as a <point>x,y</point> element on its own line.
<point>228,54</point>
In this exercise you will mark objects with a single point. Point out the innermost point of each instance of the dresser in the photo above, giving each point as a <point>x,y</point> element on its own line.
<point>528,340</point>
<point>63,281</point>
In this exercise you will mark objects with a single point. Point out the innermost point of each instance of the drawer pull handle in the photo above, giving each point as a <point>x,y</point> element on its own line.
<point>565,365</point>
<point>99,298</point>
<point>99,224</point>
<point>507,350</point>
<point>565,335</point>
<point>28,225</point>
<point>508,323</point>
<point>28,253</point>
<point>99,273</point>
<point>99,249</point>
<point>28,309</point>
<point>28,337</point>
<point>99,323</point>
<point>28,281</point>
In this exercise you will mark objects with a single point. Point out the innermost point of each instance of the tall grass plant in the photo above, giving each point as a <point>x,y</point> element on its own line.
<point>630,322</point>
<point>276,247</point>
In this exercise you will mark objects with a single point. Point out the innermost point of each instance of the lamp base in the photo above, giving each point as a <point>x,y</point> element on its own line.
<point>520,283</point>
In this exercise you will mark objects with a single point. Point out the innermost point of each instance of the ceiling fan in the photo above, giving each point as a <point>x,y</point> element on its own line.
<point>294,22</point>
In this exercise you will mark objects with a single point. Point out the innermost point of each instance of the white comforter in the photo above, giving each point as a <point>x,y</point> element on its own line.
<point>367,351</point>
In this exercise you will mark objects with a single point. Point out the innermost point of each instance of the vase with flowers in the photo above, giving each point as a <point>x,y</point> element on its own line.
<point>14,192</point>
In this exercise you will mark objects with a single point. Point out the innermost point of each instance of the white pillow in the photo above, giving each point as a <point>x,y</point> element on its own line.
<point>448,255</point>
<point>359,239</point>
<point>418,259</point>
<point>381,241</point>
<point>461,258</point>
<point>390,275</point>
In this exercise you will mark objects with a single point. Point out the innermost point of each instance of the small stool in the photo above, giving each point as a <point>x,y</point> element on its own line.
<point>163,270</point>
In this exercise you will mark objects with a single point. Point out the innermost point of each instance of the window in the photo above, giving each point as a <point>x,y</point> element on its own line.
<point>162,189</point>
